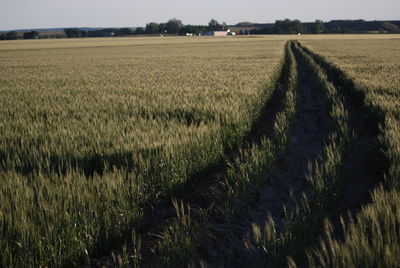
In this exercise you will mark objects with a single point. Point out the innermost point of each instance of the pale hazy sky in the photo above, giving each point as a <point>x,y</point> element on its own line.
<point>17,14</point>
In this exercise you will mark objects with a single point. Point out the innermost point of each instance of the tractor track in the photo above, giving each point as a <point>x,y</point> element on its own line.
<point>365,164</point>
<point>287,182</point>
<point>363,169</point>
<point>205,190</point>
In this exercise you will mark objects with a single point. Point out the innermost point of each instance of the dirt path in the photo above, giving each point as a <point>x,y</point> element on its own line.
<point>312,127</point>
<point>365,163</point>
<point>363,166</point>
<point>288,179</point>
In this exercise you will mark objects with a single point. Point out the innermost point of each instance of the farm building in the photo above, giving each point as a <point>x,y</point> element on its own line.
<point>219,33</point>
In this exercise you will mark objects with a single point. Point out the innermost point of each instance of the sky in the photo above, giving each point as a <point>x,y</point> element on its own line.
<point>27,14</point>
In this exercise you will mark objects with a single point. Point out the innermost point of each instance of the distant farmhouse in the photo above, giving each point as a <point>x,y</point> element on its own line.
<point>219,33</point>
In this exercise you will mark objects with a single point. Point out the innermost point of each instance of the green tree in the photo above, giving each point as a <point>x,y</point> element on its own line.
<point>75,32</point>
<point>194,29</point>
<point>125,31</point>
<point>139,30</point>
<point>297,26</point>
<point>162,27</point>
<point>289,27</point>
<point>319,27</point>
<point>214,25</point>
<point>12,35</point>
<point>31,35</point>
<point>173,26</point>
<point>390,27</point>
<point>152,28</point>
<point>284,26</point>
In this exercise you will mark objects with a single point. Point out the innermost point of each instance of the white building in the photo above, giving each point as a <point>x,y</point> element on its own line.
<point>220,33</point>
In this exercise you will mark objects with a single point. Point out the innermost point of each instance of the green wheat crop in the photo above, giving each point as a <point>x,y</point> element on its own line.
<point>93,131</point>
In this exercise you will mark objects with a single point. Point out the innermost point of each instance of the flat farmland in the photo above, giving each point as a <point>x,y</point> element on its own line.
<point>83,102</point>
<point>214,152</point>
<point>85,128</point>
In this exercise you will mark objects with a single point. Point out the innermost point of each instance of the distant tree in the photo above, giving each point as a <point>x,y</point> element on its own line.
<point>334,27</point>
<point>110,32</point>
<point>3,36</point>
<point>95,33</point>
<point>12,35</point>
<point>319,27</point>
<point>70,32</point>
<point>264,30</point>
<point>152,28</point>
<point>173,26</point>
<point>194,29</point>
<point>359,26</point>
<point>162,27</point>
<point>125,31</point>
<point>139,30</point>
<point>390,27</point>
<point>283,26</point>
<point>75,33</point>
<point>31,35</point>
<point>289,27</point>
<point>214,25</point>
<point>297,26</point>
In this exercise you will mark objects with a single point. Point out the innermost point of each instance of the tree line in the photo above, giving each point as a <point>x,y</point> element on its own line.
<point>173,27</point>
<point>176,27</point>
<point>336,26</point>
<point>13,35</point>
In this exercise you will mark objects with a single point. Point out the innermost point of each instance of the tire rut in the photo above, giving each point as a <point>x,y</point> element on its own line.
<point>287,182</point>
<point>205,190</point>
<point>365,164</point>
<point>312,128</point>
<point>363,169</point>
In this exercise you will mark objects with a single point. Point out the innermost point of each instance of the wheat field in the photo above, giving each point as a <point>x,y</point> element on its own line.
<point>99,134</point>
<point>92,133</point>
